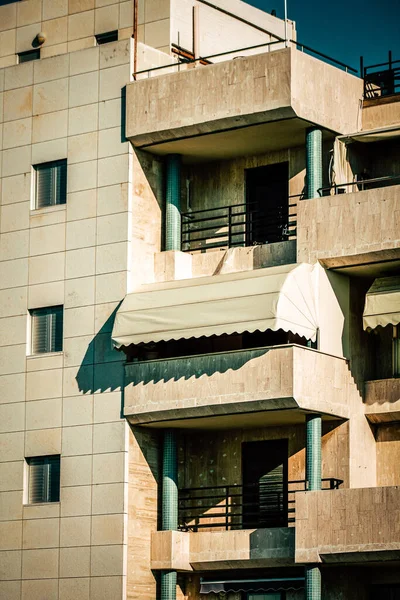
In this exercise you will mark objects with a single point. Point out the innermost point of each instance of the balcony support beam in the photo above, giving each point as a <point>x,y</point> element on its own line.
<point>173,203</point>
<point>169,517</point>
<point>313,161</point>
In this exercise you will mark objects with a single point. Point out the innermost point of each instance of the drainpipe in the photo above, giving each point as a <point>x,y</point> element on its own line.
<point>313,161</point>
<point>313,476</point>
<point>173,203</point>
<point>169,505</point>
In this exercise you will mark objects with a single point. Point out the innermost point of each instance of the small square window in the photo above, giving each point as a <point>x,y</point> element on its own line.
<point>43,479</point>
<point>47,329</point>
<point>50,183</point>
<point>29,55</point>
<point>106,38</point>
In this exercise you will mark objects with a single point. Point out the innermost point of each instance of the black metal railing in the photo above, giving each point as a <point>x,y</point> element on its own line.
<point>267,504</point>
<point>382,79</point>
<point>360,185</point>
<point>237,225</point>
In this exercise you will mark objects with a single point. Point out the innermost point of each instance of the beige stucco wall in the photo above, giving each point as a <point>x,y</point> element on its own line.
<point>349,520</point>
<point>349,228</point>
<point>68,403</point>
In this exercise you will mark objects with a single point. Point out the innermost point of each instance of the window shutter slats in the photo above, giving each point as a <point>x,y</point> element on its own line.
<point>47,329</point>
<point>44,479</point>
<point>51,183</point>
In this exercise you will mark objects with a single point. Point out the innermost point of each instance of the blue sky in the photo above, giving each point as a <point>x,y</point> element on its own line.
<point>344,29</point>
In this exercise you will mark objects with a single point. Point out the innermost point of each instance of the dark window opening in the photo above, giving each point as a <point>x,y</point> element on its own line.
<point>50,184</point>
<point>47,329</point>
<point>214,344</point>
<point>44,479</point>
<point>29,55</point>
<point>106,38</point>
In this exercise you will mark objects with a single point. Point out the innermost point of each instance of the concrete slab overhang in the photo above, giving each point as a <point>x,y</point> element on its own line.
<point>238,388</point>
<point>215,550</point>
<point>357,233</point>
<point>248,105</point>
<point>348,525</point>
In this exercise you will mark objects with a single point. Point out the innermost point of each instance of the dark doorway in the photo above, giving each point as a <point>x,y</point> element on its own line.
<point>385,592</point>
<point>267,204</point>
<point>265,483</point>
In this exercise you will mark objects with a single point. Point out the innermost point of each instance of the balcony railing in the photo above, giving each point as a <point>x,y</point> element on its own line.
<point>382,79</point>
<point>231,507</point>
<point>359,186</point>
<point>238,225</point>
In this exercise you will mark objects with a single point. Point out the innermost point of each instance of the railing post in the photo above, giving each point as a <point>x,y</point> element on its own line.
<point>173,203</point>
<point>226,508</point>
<point>229,226</point>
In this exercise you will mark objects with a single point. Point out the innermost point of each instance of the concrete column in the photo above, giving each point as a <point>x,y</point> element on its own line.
<point>313,161</point>
<point>313,476</point>
<point>313,451</point>
<point>173,203</point>
<point>169,505</point>
<point>313,582</point>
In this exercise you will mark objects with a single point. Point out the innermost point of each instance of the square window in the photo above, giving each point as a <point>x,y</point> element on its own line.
<point>50,183</point>
<point>29,55</point>
<point>46,329</point>
<point>106,38</point>
<point>43,479</point>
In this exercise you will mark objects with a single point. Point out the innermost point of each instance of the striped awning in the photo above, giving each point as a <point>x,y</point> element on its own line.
<point>274,298</point>
<point>382,303</point>
<point>252,585</point>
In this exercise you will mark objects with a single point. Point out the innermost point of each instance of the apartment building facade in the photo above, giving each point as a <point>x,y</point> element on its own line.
<point>199,273</point>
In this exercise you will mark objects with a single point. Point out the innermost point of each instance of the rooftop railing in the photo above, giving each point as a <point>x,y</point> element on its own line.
<point>237,225</point>
<point>231,507</point>
<point>359,186</point>
<point>382,79</point>
<point>268,46</point>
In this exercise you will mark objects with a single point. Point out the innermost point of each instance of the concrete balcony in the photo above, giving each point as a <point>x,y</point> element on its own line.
<point>382,400</point>
<point>349,525</point>
<point>267,384</point>
<point>248,548</point>
<point>349,230</point>
<point>207,112</point>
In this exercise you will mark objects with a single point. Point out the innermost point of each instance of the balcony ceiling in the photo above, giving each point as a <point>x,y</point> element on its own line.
<point>240,141</point>
<point>266,418</point>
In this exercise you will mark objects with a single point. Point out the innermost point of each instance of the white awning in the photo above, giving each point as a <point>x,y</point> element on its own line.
<point>382,303</point>
<point>273,298</point>
<point>372,135</point>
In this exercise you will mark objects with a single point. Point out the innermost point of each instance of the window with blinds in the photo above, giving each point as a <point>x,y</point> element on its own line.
<point>44,479</point>
<point>51,183</point>
<point>47,329</point>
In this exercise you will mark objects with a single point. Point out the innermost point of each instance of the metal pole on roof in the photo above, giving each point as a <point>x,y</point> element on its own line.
<point>286,37</point>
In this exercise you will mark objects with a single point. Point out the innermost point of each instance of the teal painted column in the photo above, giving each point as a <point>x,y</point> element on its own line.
<point>313,161</point>
<point>168,585</point>
<point>169,505</point>
<point>313,452</point>
<point>313,582</point>
<point>173,203</point>
<point>313,476</point>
